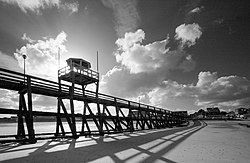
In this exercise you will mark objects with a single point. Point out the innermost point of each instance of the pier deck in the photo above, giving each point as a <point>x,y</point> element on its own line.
<point>139,117</point>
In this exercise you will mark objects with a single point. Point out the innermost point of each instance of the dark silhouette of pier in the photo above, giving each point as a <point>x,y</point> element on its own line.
<point>129,116</point>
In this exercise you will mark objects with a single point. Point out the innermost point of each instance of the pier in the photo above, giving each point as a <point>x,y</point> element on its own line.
<point>114,114</point>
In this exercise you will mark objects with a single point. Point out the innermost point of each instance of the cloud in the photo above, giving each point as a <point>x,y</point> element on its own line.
<point>196,10</point>
<point>72,7</point>
<point>120,82</point>
<point>42,56</point>
<point>27,38</point>
<point>188,34</point>
<point>130,38</point>
<point>8,99</point>
<point>172,95</point>
<point>221,90</point>
<point>143,67</point>
<point>153,57</point>
<point>191,10</point>
<point>41,61</point>
<point>210,90</point>
<point>126,15</point>
<point>37,5</point>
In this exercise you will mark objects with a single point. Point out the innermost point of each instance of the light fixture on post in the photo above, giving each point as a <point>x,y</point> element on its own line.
<point>24,57</point>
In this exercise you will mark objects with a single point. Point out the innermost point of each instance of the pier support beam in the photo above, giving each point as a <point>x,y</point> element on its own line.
<point>27,113</point>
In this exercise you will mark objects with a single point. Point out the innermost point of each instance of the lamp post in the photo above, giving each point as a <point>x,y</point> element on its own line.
<point>24,57</point>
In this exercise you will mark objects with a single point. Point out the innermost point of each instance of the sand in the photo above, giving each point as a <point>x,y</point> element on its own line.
<point>218,141</point>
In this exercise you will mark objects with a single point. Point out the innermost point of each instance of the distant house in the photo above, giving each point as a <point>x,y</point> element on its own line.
<point>213,111</point>
<point>231,114</point>
<point>243,113</point>
<point>246,116</point>
<point>180,113</point>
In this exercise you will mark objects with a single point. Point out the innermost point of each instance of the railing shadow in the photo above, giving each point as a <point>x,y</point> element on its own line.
<point>146,146</point>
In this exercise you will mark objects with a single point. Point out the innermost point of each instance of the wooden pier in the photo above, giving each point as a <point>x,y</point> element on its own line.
<point>129,116</point>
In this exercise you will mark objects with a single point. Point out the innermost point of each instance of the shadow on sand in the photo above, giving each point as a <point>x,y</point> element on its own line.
<point>147,146</point>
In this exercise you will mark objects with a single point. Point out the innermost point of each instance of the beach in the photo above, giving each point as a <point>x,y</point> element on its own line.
<point>201,141</point>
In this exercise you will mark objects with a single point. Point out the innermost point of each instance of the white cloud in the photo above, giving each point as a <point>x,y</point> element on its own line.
<point>228,91</point>
<point>72,7</point>
<point>27,38</point>
<point>130,39</point>
<point>120,82</point>
<point>37,5</point>
<point>196,10</point>
<point>143,67</point>
<point>206,78</point>
<point>41,61</point>
<point>42,56</point>
<point>153,57</point>
<point>221,90</point>
<point>8,99</point>
<point>125,13</point>
<point>188,34</point>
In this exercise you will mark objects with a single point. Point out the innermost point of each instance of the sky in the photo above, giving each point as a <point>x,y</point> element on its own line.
<point>174,54</point>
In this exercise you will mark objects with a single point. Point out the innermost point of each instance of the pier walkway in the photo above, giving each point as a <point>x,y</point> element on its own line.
<point>127,116</point>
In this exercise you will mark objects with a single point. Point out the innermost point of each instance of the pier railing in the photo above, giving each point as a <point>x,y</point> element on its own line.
<point>127,116</point>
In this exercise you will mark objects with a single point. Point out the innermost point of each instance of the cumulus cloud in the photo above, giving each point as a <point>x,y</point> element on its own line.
<point>120,82</point>
<point>153,57</point>
<point>126,14</point>
<point>210,90</point>
<point>143,67</point>
<point>41,61</point>
<point>221,90</point>
<point>37,5</point>
<point>188,34</point>
<point>42,56</point>
<point>172,95</point>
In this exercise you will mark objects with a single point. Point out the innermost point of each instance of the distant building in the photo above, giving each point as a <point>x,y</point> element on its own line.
<point>241,111</point>
<point>180,113</point>
<point>213,111</point>
<point>231,114</point>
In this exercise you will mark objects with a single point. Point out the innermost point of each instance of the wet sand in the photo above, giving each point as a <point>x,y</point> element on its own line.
<point>212,141</point>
